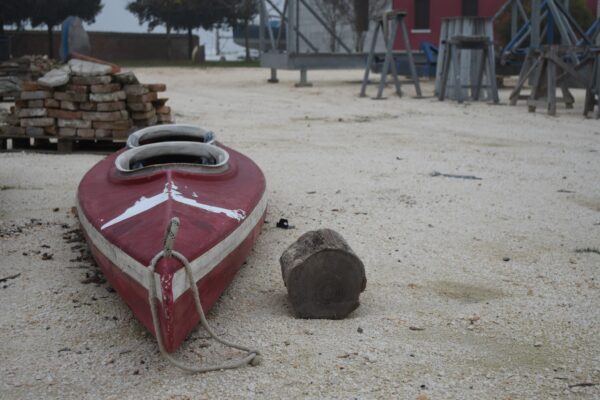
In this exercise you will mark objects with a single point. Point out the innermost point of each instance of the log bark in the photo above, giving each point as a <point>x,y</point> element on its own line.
<point>323,276</point>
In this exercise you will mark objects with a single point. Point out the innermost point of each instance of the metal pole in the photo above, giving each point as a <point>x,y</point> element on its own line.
<point>293,27</point>
<point>265,15</point>
<point>535,24</point>
<point>217,44</point>
<point>297,26</point>
<point>273,78</point>
<point>261,32</point>
<point>411,60</point>
<point>501,10</point>
<point>290,46</point>
<point>567,35</point>
<point>513,19</point>
<point>522,11</point>
<point>389,58</point>
<point>365,82</point>
<point>598,58</point>
<point>281,23</point>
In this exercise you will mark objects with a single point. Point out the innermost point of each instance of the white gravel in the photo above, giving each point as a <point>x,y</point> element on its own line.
<point>526,328</point>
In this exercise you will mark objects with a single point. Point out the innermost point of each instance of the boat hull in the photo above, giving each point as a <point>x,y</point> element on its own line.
<point>214,265</point>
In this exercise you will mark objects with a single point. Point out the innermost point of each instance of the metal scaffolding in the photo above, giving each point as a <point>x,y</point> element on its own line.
<point>303,41</point>
<point>302,48</point>
<point>560,54</point>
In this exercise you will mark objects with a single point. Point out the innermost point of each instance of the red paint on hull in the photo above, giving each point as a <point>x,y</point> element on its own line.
<point>184,315</point>
<point>103,195</point>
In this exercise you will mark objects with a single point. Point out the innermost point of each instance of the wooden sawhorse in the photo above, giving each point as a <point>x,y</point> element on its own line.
<point>389,35</point>
<point>549,68</point>
<point>592,94</point>
<point>452,55</point>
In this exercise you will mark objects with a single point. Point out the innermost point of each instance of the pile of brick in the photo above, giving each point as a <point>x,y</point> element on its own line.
<point>17,70</point>
<point>27,67</point>
<point>91,103</point>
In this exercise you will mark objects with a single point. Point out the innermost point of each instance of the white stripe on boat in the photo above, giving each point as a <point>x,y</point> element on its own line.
<point>170,192</point>
<point>200,266</point>
<point>140,206</point>
<point>238,214</point>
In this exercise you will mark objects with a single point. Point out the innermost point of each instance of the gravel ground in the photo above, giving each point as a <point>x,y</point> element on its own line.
<point>477,288</point>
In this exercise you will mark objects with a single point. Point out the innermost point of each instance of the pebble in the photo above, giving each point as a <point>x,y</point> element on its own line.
<point>474,318</point>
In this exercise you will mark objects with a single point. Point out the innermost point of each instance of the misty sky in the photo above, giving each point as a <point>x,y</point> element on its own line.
<point>114,17</point>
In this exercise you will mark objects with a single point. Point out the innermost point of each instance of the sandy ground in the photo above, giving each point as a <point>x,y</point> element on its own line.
<point>475,288</point>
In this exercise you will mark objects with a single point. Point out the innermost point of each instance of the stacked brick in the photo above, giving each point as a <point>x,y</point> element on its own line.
<point>108,106</point>
<point>144,105</point>
<point>17,70</point>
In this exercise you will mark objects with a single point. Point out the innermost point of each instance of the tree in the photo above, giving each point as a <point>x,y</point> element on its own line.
<point>376,8</point>
<point>241,13</point>
<point>155,13</point>
<point>13,12</point>
<point>339,13</point>
<point>54,12</point>
<point>333,12</point>
<point>192,14</point>
<point>180,15</point>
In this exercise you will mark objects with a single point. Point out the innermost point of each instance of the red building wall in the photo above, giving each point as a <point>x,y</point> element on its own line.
<point>445,8</point>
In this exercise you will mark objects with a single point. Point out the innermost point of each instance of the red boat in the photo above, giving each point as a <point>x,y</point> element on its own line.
<point>128,201</point>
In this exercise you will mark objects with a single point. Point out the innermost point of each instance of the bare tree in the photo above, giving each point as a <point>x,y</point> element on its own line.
<point>334,13</point>
<point>340,13</point>
<point>376,8</point>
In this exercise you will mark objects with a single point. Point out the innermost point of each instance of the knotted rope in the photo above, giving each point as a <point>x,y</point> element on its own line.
<point>253,357</point>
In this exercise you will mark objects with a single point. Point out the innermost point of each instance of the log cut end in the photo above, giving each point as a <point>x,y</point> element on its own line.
<point>324,277</point>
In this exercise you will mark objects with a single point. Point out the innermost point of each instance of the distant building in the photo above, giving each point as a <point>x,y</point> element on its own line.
<point>424,17</point>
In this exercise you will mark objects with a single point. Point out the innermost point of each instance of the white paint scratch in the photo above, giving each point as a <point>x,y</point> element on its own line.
<point>170,192</point>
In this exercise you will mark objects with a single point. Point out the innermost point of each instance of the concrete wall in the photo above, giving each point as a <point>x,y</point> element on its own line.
<point>109,46</point>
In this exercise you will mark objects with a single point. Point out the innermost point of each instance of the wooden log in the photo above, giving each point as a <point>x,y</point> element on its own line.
<point>323,276</point>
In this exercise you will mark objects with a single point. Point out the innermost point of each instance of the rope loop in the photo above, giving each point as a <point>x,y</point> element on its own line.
<point>252,357</point>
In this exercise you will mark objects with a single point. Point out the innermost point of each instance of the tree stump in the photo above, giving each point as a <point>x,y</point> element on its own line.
<point>323,276</point>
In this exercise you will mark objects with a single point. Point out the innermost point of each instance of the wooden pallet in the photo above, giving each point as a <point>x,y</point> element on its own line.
<point>60,144</point>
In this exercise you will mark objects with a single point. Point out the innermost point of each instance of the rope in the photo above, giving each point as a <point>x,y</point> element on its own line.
<point>253,357</point>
